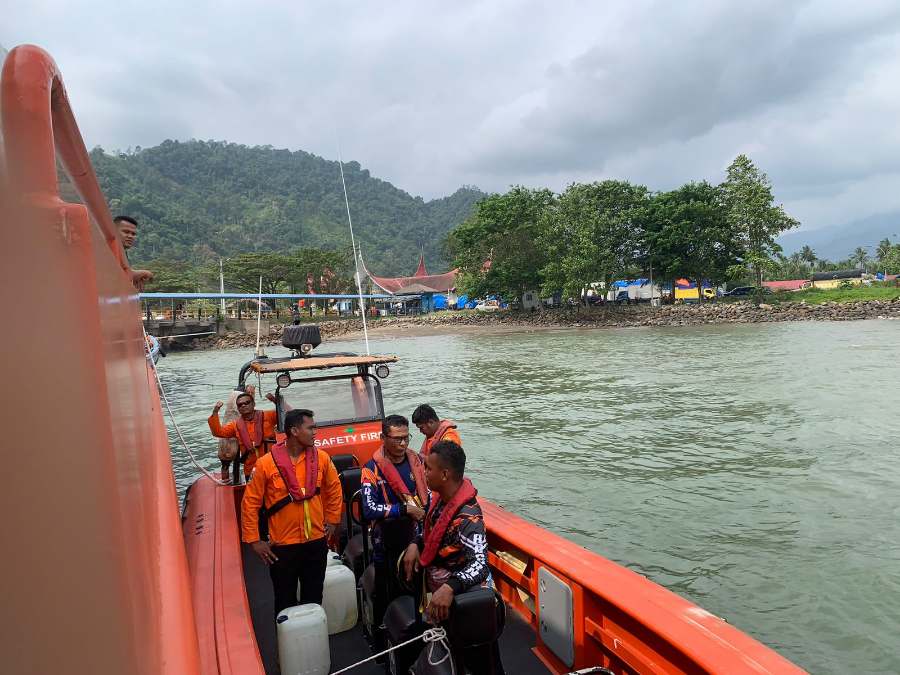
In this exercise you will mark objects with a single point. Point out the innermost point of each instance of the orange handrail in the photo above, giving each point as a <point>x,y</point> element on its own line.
<point>621,619</point>
<point>35,109</point>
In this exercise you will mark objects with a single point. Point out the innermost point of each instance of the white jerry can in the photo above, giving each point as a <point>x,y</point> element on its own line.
<point>339,598</point>
<point>332,559</point>
<point>303,641</point>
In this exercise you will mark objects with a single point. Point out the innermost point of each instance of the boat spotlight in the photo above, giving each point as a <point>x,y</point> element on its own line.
<point>283,380</point>
<point>306,348</point>
<point>382,371</point>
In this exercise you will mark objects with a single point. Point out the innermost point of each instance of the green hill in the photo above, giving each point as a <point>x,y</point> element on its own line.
<point>199,200</point>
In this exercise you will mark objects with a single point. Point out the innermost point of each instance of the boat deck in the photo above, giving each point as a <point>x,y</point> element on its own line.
<point>350,646</point>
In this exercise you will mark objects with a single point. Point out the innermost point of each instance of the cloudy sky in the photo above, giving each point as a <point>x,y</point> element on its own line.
<point>432,95</point>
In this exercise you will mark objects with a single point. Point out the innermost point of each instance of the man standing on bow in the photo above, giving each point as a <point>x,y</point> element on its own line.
<point>433,428</point>
<point>300,490</point>
<point>253,429</point>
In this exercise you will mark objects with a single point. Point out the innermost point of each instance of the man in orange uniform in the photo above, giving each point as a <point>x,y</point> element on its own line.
<point>252,429</point>
<point>301,492</point>
<point>433,428</point>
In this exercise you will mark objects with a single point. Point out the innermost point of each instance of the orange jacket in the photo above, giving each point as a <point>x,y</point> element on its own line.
<point>450,434</point>
<point>287,526</point>
<point>270,421</point>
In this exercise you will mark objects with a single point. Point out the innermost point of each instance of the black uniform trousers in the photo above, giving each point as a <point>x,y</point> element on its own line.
<point>303,563</point>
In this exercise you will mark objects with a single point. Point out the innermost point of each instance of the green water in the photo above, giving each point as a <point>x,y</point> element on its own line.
<point>754,470</point>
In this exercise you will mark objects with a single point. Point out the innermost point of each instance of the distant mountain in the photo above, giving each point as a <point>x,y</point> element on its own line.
<point>839,241</point>
<point>198,200</point>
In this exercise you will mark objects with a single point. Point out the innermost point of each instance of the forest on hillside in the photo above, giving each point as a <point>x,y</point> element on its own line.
<point>566,243</point>
<point>197,201</point>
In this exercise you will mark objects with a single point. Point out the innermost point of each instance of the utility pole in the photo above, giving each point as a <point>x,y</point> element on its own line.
<point>222,289</point>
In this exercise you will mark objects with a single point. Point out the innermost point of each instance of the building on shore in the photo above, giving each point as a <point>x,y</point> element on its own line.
<point>434,291</point>
<point>835,278</point>
<point>787,285</point>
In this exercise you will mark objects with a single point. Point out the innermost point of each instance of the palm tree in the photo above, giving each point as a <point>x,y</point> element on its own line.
<point>884,249</point>
<point>860,256</point>
<point>808,255</point>
<point>796,265</point>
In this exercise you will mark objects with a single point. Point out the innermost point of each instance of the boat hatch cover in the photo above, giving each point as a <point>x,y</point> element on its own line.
<point>319,363</point>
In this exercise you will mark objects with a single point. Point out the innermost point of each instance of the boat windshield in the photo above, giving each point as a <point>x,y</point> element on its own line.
<point>335,400</point>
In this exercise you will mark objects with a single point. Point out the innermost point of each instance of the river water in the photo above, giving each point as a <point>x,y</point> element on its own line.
<point>753,469</point>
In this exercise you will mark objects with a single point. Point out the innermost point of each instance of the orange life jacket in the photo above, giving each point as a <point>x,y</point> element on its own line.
<point>243,433</point>
<point>392,477</point>
<point>443,428</point>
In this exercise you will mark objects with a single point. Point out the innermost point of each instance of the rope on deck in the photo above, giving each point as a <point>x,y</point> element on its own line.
<point>432,635</point>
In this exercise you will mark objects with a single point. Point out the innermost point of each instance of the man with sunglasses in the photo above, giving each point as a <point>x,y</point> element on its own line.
<point>394,498</point>
<point>253,429</point>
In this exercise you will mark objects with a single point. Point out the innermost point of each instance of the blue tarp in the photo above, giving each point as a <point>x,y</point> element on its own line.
<point>471,304</point>
<point>440,302</point>
<point>461,301</point>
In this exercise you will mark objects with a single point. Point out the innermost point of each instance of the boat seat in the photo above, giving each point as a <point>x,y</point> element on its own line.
<point>355,554</point>
<point>344,462</point>
<point>476,618</point>
<point>434,660</point>
<point>366,600</point>
<point>402,623</point>
<point>351,479</point>
<point>356,551</point>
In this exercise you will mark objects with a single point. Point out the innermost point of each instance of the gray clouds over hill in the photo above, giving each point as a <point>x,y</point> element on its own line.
<point>431,96</point>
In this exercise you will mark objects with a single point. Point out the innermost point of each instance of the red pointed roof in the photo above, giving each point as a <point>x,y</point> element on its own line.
<point>420,282</point>
<point>420,270</point>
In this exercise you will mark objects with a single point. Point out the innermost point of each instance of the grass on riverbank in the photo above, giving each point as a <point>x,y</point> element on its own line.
<point>816,296</point>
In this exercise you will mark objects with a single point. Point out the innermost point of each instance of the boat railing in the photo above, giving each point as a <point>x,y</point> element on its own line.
<point>589,611</point>
<point>36,110</point>
<point>100,559</point>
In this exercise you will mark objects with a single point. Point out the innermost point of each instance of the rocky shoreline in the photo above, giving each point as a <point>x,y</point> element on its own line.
<point>628,316</point>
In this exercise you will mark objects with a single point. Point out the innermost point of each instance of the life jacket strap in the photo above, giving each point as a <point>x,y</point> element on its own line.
<point>270,511</point>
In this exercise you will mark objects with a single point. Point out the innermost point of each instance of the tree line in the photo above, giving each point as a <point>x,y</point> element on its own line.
<point>534,239</point>
<point>801,264</point>
<point>302,270</point>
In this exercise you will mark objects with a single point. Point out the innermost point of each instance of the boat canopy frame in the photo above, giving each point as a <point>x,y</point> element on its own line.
<point>265,365</point>
<point>379,402</point>
<point>293,364</point>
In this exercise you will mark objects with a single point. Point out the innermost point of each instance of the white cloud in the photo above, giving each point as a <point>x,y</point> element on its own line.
<point>432,95</point>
